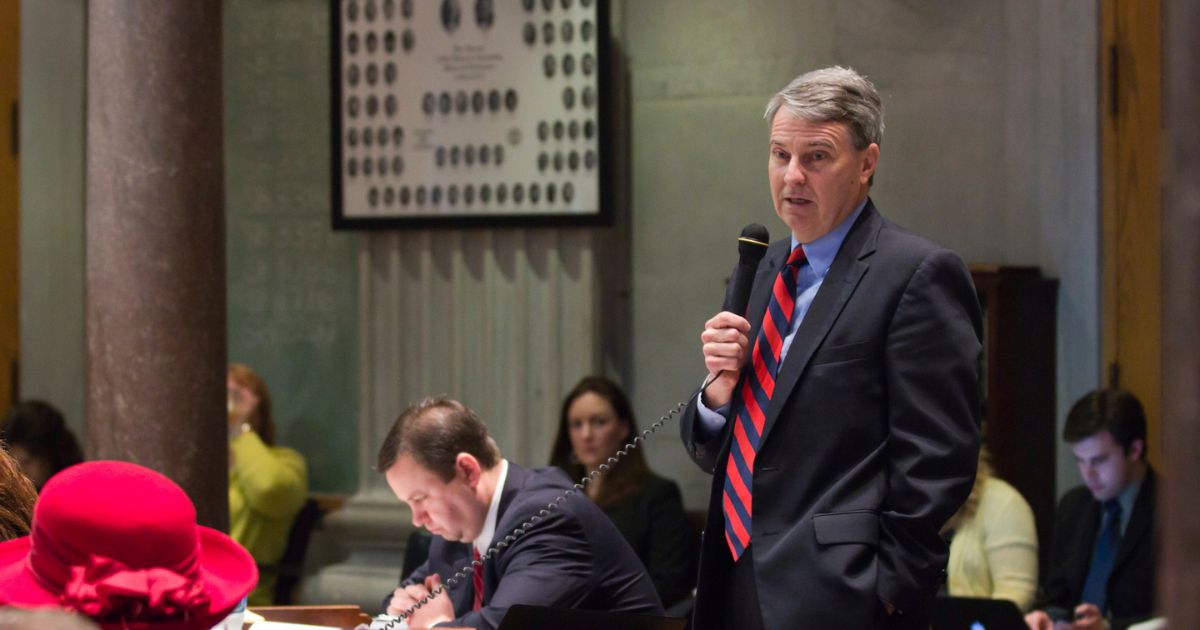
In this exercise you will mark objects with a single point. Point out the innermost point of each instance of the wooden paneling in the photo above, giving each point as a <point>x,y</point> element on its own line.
<point>1131,74</point>
<point>1017,382</point>
<point>9,241</point>
<point>1179,571</point>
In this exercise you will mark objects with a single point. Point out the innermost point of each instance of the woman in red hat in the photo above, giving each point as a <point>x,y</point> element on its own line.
<point>119,543</point>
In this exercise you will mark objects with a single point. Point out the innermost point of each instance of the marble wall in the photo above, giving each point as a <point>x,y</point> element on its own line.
<point>53,77</point>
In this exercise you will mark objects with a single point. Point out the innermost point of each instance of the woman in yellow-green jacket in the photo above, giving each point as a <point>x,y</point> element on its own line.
<point>268,484</point>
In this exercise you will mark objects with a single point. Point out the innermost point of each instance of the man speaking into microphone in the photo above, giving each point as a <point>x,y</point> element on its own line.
<point>842,424</point>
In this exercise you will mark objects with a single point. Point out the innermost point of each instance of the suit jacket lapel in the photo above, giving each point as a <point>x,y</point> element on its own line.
<point>1089,525</point>
<point>1139,520</point>
<point>513,483</point>
<point>839,284</point>
<point>462,593</point>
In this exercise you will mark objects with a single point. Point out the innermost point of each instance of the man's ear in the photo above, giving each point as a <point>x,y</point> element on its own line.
<point>870,160</point>
<point>1135,450</point>
<point>467,468</point>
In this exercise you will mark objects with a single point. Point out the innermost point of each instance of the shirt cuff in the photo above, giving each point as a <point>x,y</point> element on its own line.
<point>711,420</point>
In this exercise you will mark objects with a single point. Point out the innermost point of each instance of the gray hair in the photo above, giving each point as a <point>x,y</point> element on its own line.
<point>834,94</point>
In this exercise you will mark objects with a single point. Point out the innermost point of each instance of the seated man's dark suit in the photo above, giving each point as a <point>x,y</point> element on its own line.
<point>572,558</point>
<point>1131,583</point>
<point>869,442</point>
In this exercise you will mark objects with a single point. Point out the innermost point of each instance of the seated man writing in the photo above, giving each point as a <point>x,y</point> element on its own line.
<point>1101,573</point>
<point>439,459</point>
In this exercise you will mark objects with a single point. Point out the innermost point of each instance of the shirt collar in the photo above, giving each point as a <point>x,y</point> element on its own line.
<point>489,522</point>
<point>1127,498</point>
<point>821,252</point>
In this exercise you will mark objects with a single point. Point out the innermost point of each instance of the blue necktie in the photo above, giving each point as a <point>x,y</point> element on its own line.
<point>1095,588</point>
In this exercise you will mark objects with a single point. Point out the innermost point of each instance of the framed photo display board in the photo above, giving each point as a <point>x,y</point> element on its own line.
<point>469,113</point>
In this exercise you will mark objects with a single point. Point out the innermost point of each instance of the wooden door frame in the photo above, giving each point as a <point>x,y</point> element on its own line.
<point>10,257</point>
<point>1131,193</point>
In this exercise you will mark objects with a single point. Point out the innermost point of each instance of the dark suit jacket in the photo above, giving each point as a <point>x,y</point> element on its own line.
<point>572,558</point>
<point>870,440</point>
<point>653,521</point>
<point>1131,583</point>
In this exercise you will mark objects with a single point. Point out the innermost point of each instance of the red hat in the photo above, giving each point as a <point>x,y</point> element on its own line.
<point>119,543</point>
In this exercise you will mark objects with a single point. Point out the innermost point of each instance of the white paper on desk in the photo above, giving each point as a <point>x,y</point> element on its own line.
<point>276,625</point>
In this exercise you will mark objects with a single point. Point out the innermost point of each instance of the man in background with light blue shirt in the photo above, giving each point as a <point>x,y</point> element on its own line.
<point>1102,561</point>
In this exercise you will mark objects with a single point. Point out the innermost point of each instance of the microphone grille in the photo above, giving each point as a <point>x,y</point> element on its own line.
<point>754,240</point>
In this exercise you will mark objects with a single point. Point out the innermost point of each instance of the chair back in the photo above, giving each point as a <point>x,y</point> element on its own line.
<point>291,565</point>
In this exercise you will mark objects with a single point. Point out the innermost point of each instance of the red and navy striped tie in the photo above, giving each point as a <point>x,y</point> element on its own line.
<point>756,390</point>
<point>477,580</point>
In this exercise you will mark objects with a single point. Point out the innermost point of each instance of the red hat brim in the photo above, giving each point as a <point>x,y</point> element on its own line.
<point>226,568</point>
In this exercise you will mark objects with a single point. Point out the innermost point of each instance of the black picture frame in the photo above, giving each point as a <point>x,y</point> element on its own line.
<point>477,60</point>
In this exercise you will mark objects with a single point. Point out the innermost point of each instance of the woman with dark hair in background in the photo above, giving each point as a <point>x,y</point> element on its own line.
<point>596,420</point>
<point>38,438</point>
<point>268,484</point>
<point>17,497</point>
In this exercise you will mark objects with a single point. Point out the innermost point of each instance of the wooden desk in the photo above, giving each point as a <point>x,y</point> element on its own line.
<point>344,617</point>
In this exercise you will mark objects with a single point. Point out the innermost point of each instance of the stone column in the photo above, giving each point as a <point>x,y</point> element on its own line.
<point>155,244</point>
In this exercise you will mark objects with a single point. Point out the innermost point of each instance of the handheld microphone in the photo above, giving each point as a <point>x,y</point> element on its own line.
<point>752,246</point>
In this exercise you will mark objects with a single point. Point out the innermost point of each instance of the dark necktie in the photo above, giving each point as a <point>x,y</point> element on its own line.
<point>478,580</point>
<point>755,394</point>
<point>1095,588</point>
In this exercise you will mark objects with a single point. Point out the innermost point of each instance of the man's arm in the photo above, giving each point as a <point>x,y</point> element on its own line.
<point>273,481</point>
<point>725,346</point>
<point>1056,591</point>
<point>429,603</point>
<point>551,566</point>
<point>701,440</point>
<point>932,376</point>
<point>395,603</point>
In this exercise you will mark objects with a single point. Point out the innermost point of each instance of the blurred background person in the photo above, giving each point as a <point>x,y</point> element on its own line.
<point>17,497</point>
<point>39,439</point>
<point>268,484</point>
<point>596,421</point>
<point>993,543</point>
<point>1103,556</point>
<point>119,543</point>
